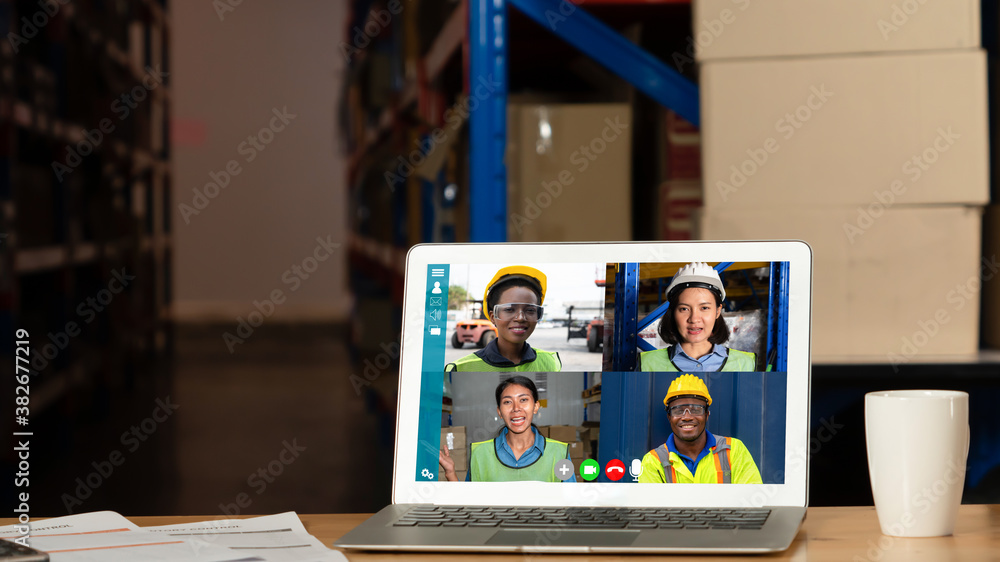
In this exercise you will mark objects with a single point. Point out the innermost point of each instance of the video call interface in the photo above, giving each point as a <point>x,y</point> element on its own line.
<point>604,372</point>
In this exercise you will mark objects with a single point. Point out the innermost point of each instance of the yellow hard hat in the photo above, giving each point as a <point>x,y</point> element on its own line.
<point>688,385</point>
<point>529,274</point>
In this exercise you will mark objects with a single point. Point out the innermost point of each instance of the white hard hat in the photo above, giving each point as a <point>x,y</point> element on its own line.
<point>696,274</point>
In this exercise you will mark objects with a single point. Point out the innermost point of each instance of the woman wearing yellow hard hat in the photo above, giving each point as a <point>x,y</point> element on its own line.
<point>694,327</point>
<point>691,454</point>
<point>513,300</point>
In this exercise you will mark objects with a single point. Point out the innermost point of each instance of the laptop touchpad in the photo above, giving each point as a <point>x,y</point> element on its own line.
<point>563,537</point>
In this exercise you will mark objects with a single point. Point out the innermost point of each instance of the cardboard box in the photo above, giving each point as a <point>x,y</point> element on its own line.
<point>461,474</point>
<point>576,451</point>
<point>725,29</point>
<point>887,287</point>
<point>908,129</point>
<point>461,459</point>
<point>561,158</point>
<point>543,430</point>
<point>564,433</point>
<point>679,200</point>
<point>588,433</point>
<point>453,437</point>
<point>991,277</point>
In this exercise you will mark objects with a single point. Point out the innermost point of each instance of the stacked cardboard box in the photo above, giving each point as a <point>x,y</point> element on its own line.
<point>861,128</point>
<point>990,277</point>
<point>680,192</point>
<point>561,159</point>
<point>564,433</point>
<point>454,439</point>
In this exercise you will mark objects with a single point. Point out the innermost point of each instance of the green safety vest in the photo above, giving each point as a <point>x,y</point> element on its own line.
<point>486,467</point>
<point>729,462</point>
<point>545,361</point>
<point>659,361</point>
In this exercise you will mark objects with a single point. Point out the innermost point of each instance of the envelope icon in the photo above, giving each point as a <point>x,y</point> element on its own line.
<point>435,301</point>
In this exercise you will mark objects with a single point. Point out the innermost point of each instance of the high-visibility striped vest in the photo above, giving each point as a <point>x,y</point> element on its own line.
<point>659,361</point>
<point>728,462</point>
<point>719,453</point>
<point>545,361</point>
<point>485,466</point>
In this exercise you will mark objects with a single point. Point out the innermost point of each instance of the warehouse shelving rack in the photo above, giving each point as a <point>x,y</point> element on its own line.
<point>73,236</point>
<point>478,29</point>
<point>488,189</point>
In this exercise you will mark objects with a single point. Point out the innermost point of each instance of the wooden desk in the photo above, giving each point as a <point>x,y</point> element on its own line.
<point>841,534</point>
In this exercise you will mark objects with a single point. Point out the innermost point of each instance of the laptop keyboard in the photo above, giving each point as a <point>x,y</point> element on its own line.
<point>583,517</point>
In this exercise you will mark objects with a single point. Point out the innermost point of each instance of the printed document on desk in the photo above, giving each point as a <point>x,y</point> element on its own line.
<point>105,536</point>
<point>270,538</point>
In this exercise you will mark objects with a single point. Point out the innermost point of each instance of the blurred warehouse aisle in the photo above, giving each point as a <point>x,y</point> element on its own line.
<point>277,425</point>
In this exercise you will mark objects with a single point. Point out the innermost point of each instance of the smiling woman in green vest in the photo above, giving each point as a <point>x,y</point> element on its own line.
<point>513,301</point>
<point>694,327</point>
<point>518,452</point>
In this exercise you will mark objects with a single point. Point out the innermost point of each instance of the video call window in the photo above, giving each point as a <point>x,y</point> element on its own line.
<point>670,338</point>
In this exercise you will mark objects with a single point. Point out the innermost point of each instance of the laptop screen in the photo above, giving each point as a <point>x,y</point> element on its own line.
<point>629,373</point>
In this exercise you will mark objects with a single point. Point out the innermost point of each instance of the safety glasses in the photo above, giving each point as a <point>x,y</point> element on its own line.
<point>692,409</point>
<point>511,310</point>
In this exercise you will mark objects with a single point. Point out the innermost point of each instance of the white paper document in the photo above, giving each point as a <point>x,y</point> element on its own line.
<point>106,536</point>
<point>276,538</point>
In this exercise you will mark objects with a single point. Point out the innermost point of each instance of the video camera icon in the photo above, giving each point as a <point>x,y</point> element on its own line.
<point>590,469</point>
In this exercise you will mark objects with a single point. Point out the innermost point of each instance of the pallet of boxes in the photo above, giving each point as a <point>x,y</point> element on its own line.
<point>579,448</point>
<point>454,439</point>
<point>860,127</point>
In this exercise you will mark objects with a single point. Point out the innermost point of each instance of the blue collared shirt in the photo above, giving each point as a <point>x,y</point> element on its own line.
<point>710,362</point>
<point>688,462</point>
<point>506,455</point>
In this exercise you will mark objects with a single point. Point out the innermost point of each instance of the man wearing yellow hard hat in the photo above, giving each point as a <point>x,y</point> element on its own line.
<point>513,300</point>
<point>691,454</point>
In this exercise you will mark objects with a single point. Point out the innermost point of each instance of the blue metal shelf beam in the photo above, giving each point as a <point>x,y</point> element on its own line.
<point>488,121</point>
<point>616,53</point>
<point>626,315</point>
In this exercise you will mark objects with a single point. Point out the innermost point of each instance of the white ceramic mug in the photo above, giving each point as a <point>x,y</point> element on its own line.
<point>918,441</point>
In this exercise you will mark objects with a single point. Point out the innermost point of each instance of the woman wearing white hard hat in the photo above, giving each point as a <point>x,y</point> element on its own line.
<point>513,301</point>
<point>694,327</point>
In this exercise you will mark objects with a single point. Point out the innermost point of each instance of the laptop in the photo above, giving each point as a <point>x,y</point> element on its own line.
<point>603,467</point>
